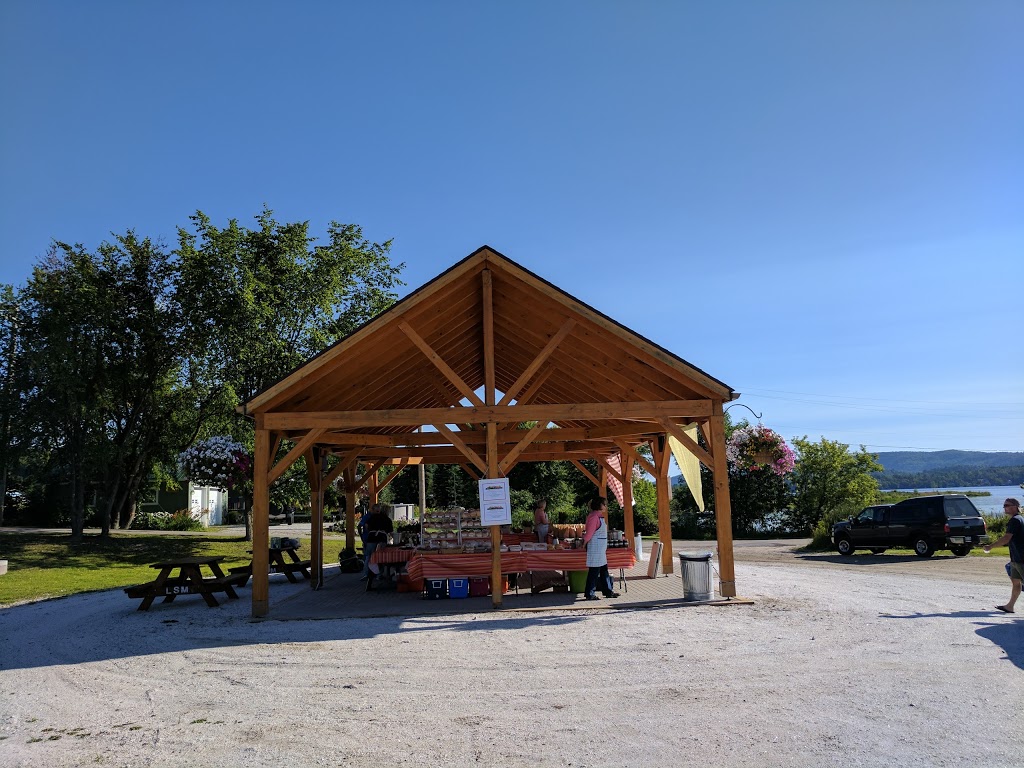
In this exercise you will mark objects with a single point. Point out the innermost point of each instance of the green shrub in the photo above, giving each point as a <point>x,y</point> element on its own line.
<point>995,525</point>
<point>823,530</point>
<point>182,520</point>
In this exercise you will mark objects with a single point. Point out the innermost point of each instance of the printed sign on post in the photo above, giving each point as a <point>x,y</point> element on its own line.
<point>495,502</point>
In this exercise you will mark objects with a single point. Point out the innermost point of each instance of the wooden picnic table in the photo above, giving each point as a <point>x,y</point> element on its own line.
<point>278,564</point>
<point>189,580</point>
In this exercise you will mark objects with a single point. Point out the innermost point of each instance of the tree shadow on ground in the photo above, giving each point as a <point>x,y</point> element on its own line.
<point>112,629</point>
<point>1007,634</point>
<point>55,551</point>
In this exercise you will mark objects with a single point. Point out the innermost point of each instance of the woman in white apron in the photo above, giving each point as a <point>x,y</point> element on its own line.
<point>596,538</point>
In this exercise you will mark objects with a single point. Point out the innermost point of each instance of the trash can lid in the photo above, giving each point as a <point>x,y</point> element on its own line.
<point>700,556</point>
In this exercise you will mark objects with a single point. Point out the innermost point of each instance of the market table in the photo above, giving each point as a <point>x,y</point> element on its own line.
<point>390,556</point>
<point>424,565</point>
<point>188,581</point>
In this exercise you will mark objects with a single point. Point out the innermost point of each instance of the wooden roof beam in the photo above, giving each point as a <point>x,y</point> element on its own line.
<point>640,411</point>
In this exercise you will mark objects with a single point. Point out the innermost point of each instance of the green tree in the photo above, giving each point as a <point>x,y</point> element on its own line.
<point>267,299</point>
<point>12,439</point>
<point>828,477</point>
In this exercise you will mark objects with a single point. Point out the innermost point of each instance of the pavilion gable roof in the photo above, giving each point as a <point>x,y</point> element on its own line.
<point>427,351</point>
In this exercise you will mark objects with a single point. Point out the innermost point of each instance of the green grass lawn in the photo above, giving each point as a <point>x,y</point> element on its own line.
<point>51,565</point>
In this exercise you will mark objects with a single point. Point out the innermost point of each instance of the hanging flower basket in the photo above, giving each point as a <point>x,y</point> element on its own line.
<point>219,462</point>
<point>758,448</point>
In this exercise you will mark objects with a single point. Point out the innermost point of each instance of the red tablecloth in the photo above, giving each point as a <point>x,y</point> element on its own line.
<point>518,538</point>
<point>451,566</point>
<point>391,555</point>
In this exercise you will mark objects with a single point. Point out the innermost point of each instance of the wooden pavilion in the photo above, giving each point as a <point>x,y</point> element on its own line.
<point>473,355</point>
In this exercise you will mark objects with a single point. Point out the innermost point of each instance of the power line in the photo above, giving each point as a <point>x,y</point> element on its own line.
<point>879,399</point>
<point>885,409</point>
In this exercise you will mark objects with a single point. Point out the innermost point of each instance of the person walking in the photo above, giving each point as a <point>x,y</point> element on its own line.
<point>1014,536</point>
<point>596,539</point>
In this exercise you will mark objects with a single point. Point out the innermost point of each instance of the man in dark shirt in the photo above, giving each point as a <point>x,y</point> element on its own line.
<point>1015,538</point>
<point>378,526</point>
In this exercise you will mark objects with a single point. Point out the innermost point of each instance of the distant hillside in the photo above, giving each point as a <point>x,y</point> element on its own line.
<point>924,461</point>
<point>944,469</point>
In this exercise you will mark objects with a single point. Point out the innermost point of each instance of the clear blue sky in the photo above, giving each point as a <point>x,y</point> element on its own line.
<point>821,204</point>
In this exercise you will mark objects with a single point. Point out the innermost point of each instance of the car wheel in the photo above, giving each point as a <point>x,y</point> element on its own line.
<point>923,547</point>
<point>960,551</point>
<point>844,546</point>
<point>878,550</point>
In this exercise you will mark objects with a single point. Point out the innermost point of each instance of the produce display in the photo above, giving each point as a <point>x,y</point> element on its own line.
<point>454,530</point>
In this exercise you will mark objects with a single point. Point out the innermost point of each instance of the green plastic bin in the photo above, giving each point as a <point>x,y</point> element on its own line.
<point>578,581</point>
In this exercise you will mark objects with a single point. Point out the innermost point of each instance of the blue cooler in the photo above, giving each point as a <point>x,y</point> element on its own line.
<point>458,587</point>
<point>435,589</point>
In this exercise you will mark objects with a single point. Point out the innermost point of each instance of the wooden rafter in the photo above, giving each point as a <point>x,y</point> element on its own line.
<point>510,458</point>
<point>529,394</point>
<point>390,478</point>
<point>643,462</point>
<point>370,472</point>
<point>705,430</point>
<point>464,449</point>
<point>586,472</point>
<point>440,364</point>
<point>488,328</point>
<point>293,455</point>
<point>538,361</point>
<point>608,468</point>
<point>344,463</point>
<point>470,470</point>
<point>689,443</point>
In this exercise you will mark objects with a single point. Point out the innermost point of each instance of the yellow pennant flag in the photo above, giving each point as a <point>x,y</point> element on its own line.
<point>688,464</point>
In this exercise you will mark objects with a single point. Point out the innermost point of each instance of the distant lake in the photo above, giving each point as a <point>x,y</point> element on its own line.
<point>989,505</point>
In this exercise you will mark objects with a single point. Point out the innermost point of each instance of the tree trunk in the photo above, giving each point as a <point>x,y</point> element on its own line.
<point>3,491</point>
<point>247,515</point>
<point>113,500</point>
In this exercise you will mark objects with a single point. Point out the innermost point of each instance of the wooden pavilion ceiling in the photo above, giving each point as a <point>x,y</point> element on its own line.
<point>385,364</point>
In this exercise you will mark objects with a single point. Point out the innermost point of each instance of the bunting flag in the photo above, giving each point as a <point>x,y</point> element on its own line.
<point>615,462</point>
<point>689,465</point>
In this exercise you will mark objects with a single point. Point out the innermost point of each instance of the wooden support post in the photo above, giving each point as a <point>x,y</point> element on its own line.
<point>261,523</point>
<point>723,508</point>
<point>492,471</point>
<point>350,508</point>
<point>372,486</point>
<point>627,498</point>
<point>661,454</point>
<point>316,518</point>
<point>602,490</point>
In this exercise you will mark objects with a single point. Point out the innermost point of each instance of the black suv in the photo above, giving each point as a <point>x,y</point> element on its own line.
<point>924,524</point>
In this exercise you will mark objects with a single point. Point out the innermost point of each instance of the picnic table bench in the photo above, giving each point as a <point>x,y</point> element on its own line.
<point>189,580</point>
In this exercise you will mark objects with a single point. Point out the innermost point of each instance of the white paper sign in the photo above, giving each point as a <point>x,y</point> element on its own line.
<point>495,502</point>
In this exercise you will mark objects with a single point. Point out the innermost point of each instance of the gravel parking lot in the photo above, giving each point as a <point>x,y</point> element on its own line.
<point>871,661</point>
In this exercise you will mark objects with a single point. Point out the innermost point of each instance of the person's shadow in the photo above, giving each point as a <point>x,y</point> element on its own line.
<point>1008,635</point>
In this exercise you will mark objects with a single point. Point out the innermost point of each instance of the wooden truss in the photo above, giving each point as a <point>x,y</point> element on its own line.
<point>486,366</point>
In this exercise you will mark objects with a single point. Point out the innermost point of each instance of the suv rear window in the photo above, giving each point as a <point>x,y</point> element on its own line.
<point>961,508</point>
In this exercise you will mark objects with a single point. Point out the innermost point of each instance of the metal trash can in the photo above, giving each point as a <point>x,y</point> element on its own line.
<point>696,571</point>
